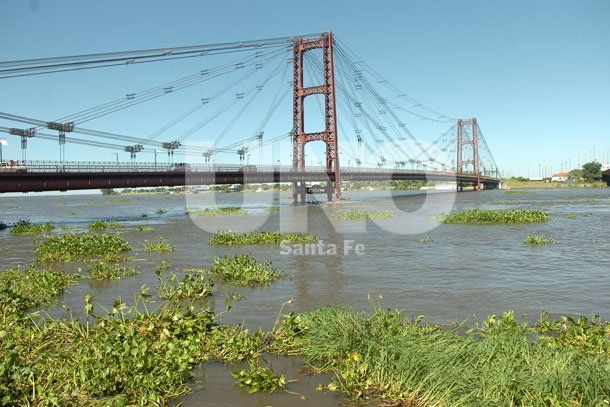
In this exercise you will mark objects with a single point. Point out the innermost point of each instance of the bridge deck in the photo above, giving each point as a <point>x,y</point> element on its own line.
<point>95,176</point>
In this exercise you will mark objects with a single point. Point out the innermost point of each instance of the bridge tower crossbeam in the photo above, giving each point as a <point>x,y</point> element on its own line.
<point>329,135</point>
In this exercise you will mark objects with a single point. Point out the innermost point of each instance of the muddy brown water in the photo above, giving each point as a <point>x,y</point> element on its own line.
<point>449,272</point>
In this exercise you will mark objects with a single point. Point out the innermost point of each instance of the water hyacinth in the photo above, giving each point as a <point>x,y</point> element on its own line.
<point>78,246</point>
<point>193,287</point>
<point>229,238</point>
<point>104,271</point>
<point>537,240</point>
<point>259,378</point>
<point>25,228</point>
<point>359,214</point>
<point>490,216</point>
<point>21,289</point>
<point>231,210</point>
<point>243,269</point>
<point>159,246</point>
<point>101,225</point>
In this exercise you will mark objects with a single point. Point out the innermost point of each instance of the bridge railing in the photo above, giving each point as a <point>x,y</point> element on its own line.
<point>144,167</point>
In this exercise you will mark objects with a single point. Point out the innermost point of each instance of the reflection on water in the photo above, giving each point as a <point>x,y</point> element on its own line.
<point>451,272</point>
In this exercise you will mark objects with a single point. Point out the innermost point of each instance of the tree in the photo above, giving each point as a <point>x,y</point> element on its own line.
<point>108,191</point>
<point>592,171</point>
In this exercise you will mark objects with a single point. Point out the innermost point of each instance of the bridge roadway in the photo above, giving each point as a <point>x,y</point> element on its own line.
<point>54,176</point>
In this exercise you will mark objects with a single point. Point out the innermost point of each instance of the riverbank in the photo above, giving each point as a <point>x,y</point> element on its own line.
<point>512,183</point>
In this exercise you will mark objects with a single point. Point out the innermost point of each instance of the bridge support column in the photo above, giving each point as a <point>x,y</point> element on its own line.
<point>329,135</point>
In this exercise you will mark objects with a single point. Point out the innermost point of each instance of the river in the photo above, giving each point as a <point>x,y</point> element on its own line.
<point>449,272</point>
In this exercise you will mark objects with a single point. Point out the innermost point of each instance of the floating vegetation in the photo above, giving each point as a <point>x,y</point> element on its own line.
<point>21,289</point>
<point>487,216</point>
<point>273,209</point>
<point>258,378</point>
<point>425,239</point>
<point>519,192</point>
<point>359,214</point>
<point>164,265</point>
<point>578,215</point>
<point>160,211</point>
<point>503,202</point>
<point>101,225</point>
<point>25,228</point>
<point>159,246</point>
<point>536,240</point>
<point>145,228</point>
<point>393,360</point>
<point>104,271</point>
<point>114,201</point>
<point>193,287</point>
<point>243,269</point>
<point>76,246</point>
<point>231,210</point>
<point>3,226</point>
<point>233,238</point>
<point>93,203</point>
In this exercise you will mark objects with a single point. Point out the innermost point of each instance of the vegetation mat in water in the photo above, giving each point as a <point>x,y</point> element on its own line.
<point>233,238</point>
<point>488,216</point>
<point>75,246</point>
<point>243,269</point>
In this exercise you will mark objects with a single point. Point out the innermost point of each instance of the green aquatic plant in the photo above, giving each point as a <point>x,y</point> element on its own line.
<point>259,378</point>
<point>159,246</point>
<point>21,289</point>
<point>114,201</point>
<point>164,265</point>
<point>105,271</point>
<point>273,209</point>
<point>537,240</point>
<point>231,210</point>
<point>145,228</point>
<point>394,360</point>
<point>160,211</point>
<point>25,228</point>
<point>193,287</point>
<point>359,214</point>
<point>229,238</point>
<point>243,269</point>
<point>101,225</point>
<point>519,192</point>
<point>490,216</point>
<point>78,246</point>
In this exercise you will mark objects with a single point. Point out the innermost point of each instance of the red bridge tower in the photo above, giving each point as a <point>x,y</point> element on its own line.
<point>474,162</point>
<point>329,135</point>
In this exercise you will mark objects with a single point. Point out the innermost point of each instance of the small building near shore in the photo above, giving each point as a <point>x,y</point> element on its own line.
<point>560,177</point>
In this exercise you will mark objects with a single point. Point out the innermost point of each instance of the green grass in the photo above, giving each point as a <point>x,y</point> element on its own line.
<point>21,289</point>
<point>490,216</point>
<point>192,287</point>
<point>25,228</point>
<point>104,271</point>
<point>398,361</point>
<point>229,238</point>
<point>79,246</point>
<point>243,269</point>
<point>538,240</point>
<point>102,225</point>
<point>273,209</point>
<point>232,210</point>
<point>359,214</point>
<point>159,246</point>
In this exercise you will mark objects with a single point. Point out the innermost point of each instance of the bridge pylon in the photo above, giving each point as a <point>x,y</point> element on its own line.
<point>329,135</point>
<point>470,165</point>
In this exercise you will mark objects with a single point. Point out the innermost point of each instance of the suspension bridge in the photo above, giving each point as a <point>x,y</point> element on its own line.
<point>237,104</point>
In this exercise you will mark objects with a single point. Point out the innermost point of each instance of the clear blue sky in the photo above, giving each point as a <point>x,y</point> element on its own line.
<point>535,74</point>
